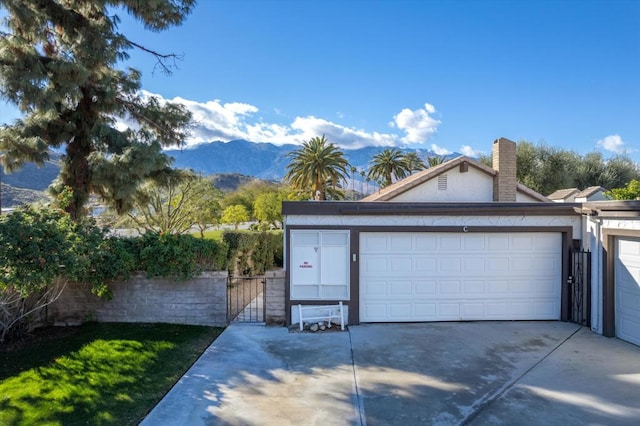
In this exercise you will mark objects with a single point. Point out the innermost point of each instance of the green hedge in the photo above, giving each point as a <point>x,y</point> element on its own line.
<point>253,253</point>
<point>179,256</point>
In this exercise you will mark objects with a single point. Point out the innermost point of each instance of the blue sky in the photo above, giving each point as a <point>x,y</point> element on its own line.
<point>451,76</point>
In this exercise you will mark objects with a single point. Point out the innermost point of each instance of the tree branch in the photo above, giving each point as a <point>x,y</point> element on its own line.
<point>161,59</point>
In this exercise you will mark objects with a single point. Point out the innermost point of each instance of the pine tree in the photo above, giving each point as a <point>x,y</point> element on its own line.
<point>61,64</point>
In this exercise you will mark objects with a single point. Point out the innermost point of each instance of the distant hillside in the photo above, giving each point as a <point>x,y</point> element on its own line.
<point>228,182</point>
<point>33,177</point>
<point>261,160</point>
<point>12,197</point>
<point>230,164</point>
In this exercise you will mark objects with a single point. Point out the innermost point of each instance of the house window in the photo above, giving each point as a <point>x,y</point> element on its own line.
<point>442,183</point>
<point>319,268</point>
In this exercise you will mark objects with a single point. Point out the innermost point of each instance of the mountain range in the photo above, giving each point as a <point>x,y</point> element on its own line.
<point>260,160</point>
<point>239,157</point>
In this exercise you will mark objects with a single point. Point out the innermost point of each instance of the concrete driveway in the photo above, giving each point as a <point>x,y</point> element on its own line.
<point>409,374</point>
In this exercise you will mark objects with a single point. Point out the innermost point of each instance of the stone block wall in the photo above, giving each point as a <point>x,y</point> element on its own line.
<point>198,301</point>
<point>274,298</point>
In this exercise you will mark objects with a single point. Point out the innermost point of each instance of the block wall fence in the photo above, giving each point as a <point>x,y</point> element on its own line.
<point>198,301</point>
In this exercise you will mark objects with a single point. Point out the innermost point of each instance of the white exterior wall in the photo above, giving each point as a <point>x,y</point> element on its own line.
<point>593,242</point>
<point>593,231</point>
<point>521,197</point>
<point>389,220</point>
<point>471,186</point>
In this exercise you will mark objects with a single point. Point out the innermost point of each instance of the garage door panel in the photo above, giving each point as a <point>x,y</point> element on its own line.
<point>628,249</point>
<point>498,242</point>
<point>630,329</point>
<point>475,265</point>
<point>473,311</point>
<point>375,288</point>
<point>497,310</point>
<point>448,288</point>
<point>450,242</point>
<point>522,243</point>
<point>374,264</point>
<point>450,264</point>
<point>425,310</point>
<point>374,310</point>
<point>474,243</point>
<point>454,277</point>
<point>425,288</point>
<point>627,289</point>
<point>400,288</point>
<point>401,243</point>
<point>473,288</point>
<point>449,310</point>
<point>498,266</point>
<point>398,264</point>
<point>424,264</point>
<point>496,287</point>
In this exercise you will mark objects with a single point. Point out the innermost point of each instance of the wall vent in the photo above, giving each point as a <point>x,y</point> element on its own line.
<point>442,183</point>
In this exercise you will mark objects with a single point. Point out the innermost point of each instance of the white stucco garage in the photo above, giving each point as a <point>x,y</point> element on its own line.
<point>464,242</point>
<point>627,289</point>
<point>612,233</point>
<point>459,276</point>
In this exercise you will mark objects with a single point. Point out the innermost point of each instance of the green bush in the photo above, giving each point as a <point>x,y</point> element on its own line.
<point>253,253</point>
<point>40,251</point>
<point>38,246</point>
<point>179,256</point>
<point>43,249</point>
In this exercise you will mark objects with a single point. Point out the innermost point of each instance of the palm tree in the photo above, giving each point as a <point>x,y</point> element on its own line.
<point>353,170</point>
<point>434,160</point>
<point>316,168</point>
<point>387,165</point>
<point>414,162</point>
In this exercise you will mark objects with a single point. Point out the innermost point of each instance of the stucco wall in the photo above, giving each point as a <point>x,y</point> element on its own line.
<point>511,221</point>
<point>594,228</point>
<point>472,186</point>
<point>199,301</point>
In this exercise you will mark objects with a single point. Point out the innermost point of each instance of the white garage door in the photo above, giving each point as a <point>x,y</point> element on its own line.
<point>627,273</point>
<point>459,276</point>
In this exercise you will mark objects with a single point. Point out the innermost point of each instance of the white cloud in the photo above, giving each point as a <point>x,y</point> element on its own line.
<point>215,120</point>
<point>439,150</point>
<point>468,151</point>
<point>345,137</point>
<point>613,143</point>
<point>417,124</point>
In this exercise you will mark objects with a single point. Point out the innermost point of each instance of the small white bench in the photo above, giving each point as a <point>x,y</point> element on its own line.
<point>328,313</point>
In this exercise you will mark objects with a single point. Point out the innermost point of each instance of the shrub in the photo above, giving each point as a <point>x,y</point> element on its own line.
<point>253,253</point>
<point>179,256</point>
<point>43,249</point>
<point>40,251</point>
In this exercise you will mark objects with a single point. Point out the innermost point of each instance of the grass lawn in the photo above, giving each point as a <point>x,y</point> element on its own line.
<point>213,234</point>
<point>96,374</point>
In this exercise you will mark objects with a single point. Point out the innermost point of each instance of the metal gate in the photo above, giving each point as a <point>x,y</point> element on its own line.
<point>580,287</point>
<point>245,299</point>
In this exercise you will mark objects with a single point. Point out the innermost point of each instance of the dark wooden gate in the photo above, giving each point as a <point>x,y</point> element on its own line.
<point>580,287</point>
<point>246,299</point>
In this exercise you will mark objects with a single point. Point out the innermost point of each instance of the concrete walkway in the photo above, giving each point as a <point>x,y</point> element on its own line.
<point>409,374</point>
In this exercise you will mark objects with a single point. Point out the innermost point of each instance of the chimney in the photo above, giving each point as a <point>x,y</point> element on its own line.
<point>504,162</point>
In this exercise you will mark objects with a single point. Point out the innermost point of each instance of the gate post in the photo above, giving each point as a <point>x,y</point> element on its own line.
<point>274,298</point>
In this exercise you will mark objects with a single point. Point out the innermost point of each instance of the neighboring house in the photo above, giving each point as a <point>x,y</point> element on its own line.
<point>567,195</point>
<point>464,179</point>
<point>593,193</point>
<point>612,233</point>
<point>457,242</point>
